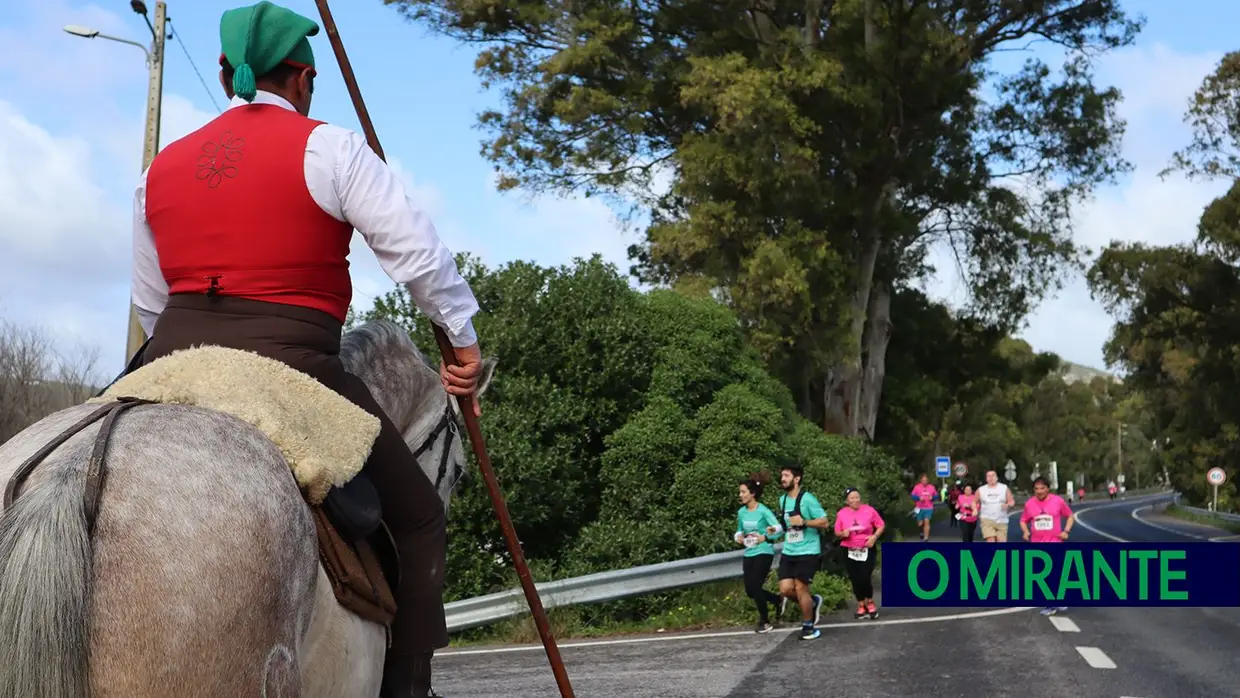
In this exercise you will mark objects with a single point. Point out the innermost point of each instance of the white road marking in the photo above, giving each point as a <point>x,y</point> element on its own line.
<point>1226,539</point>
<point>736,633</point>
<point>1096,658</point>
<point>1064,625</point>
<point>1080,518</point>
<point>1168,529</point>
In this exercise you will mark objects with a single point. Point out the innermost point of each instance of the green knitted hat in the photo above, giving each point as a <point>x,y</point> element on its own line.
<point>257,38</point>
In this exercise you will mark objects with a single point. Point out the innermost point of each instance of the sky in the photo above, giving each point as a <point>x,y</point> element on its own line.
<point>71,133</point>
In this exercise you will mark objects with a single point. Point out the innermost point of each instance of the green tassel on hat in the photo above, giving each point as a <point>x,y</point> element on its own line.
<point>257,38</point>
<point>243,82</point>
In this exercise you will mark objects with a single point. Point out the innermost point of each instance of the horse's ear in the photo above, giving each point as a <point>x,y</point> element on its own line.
<point>488,372</point>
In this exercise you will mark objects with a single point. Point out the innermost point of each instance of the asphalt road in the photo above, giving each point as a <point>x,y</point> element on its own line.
<point>1099,652</point>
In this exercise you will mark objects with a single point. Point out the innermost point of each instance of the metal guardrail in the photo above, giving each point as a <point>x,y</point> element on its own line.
<point>1224,515</point>
<point>603,586</point>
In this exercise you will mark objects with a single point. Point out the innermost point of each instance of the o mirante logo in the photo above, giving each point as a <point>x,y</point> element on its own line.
<point>1075,574</point>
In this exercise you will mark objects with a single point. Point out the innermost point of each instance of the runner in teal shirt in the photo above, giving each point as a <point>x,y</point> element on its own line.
<point>756,527</point>
<point>803,518</point>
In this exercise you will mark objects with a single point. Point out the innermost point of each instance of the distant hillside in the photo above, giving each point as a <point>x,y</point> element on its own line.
<point>1072,373</point>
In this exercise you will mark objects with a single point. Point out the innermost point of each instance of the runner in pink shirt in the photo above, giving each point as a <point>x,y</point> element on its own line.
<point>1044,511</point>
<point>860,526</point>
<point>924,494</point>
<point>967,506</point>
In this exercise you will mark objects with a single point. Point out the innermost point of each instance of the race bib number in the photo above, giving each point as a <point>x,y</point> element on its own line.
<point>1043,523</point>
<point>751,541</point>
<point>796,536</point>
<point>859,554</point>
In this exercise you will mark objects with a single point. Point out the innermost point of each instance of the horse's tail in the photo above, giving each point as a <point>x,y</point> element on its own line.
<point>45,573</point>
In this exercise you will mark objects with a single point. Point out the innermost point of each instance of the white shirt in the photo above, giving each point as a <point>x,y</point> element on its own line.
<point>353,185</point>
<point>994,502</point>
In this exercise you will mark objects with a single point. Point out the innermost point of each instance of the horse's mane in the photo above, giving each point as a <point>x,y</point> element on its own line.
<point>359,345</point>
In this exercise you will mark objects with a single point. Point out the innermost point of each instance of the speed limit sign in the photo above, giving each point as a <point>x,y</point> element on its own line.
<point>1216,476</point>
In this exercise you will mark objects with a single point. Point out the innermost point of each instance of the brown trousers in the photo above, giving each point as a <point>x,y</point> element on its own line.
<point>309,341</point>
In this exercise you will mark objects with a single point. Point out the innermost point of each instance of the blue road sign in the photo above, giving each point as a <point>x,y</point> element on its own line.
<point>942,466</point>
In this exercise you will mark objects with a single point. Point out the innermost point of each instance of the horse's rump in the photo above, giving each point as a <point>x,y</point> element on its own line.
<point>199,578</point>
<point>324,437</point>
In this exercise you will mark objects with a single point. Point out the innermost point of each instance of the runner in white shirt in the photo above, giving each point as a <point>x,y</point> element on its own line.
<point>996,501</point>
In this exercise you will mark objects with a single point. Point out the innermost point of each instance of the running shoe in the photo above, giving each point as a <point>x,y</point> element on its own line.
<point>872,610</point>
<point>810,633</point>
<point>764,628</point>
<point>1049,611</point>
<point>817,609</point>
<point>861,612</point>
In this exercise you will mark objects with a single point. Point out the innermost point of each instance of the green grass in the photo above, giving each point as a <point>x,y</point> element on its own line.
<point>1192,517</point>
<point>709,606</point>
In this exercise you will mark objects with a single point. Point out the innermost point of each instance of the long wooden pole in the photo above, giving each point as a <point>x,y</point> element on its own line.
<point>472,425</point>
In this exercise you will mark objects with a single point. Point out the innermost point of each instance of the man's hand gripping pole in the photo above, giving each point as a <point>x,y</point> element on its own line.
<point>472,425</point>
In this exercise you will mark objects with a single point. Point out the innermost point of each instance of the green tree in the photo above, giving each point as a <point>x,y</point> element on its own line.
<point>1176,308</point>
<point>816,149</point>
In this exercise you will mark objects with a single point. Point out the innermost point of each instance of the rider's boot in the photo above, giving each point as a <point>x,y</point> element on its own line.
<point>408,677</point>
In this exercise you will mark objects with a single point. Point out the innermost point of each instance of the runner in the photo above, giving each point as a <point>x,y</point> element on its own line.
<point>756,526</point>
<point>1111,489</point>
<point>953,494</point>
<point>803,518</point>
<point>925,495</point>
<point>860,527</point>
<point>1044,510</point>
<point>996,500</point>
<point>967,505</point>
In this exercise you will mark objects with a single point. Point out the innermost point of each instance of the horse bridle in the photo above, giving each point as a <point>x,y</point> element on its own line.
<point>447,423</point>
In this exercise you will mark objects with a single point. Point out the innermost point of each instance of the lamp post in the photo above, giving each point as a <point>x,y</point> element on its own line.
<point>154,99</point>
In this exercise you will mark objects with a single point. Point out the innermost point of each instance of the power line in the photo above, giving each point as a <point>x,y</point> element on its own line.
<point>177,35</point>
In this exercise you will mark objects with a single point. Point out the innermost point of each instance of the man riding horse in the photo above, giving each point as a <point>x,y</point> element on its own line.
<point>241,239</point>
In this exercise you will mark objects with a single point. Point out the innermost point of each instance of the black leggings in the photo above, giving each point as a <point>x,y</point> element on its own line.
<point>967,529</point>
<point>861,574</point>
<point>756,569</point>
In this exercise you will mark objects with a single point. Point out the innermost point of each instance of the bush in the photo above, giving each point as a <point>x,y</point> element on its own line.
<point>619,424</point>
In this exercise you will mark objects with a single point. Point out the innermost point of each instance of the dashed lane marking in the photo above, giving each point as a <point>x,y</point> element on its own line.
<point>1064,625</point>
<point>1096,658</point>
<point>737,633</point>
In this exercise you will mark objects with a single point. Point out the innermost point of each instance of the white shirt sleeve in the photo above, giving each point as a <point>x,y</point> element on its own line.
<point>352,184</point>
<point>149,293</point>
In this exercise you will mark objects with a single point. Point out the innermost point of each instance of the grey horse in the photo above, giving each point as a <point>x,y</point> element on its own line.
<point>202,577</point>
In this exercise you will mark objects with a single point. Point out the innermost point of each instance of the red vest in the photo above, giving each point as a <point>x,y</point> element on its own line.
<point>230,213</point>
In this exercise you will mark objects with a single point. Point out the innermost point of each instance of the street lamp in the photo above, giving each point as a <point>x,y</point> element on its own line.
<point>87,33</point>
<point>154,98</point>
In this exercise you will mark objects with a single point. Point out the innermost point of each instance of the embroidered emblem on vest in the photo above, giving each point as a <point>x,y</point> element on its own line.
<point>215,162</point>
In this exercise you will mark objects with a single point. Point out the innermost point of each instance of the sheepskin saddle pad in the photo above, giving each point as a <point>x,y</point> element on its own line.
<point>324,437</point>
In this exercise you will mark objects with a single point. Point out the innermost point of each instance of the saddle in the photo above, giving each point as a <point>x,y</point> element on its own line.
<point>325,447</point>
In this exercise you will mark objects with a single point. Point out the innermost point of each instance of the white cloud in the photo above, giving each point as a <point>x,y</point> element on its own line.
<point>39,55</point>
<point>64,240</point>
<point>54,220</point>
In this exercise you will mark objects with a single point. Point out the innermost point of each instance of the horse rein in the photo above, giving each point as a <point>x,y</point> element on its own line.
<point>95,472</point>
